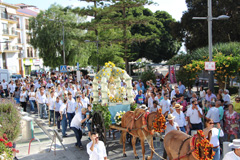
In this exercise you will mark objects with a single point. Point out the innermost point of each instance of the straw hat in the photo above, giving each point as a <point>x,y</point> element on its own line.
<point>178,106</point>
<point>170,117</point>
<point>235,144</point>
<point>144,107</point>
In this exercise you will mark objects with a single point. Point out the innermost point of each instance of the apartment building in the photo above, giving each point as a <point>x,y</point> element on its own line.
<point>8,38</point>
<point>29,57</point>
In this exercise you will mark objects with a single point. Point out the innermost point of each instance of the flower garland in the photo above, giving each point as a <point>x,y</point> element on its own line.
<point>159,122</point>
<point>6,150</point>
<point>109,64</point>
<point>204,143</point>
<point>118,117</point>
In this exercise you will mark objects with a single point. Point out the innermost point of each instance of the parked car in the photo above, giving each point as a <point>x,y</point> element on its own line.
<point>14,77</point>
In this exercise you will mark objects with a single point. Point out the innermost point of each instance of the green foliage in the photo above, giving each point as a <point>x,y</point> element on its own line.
<point>202,53</point>
<point>133,106</point>
<point>195,32</point>
<point>47,37</point>
<point>148,75</point>
<point>9,121</point>
<point>105,114</point>
<point>161,45</point>
<point>185,77</point>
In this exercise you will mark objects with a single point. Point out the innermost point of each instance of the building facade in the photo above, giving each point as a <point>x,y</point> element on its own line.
<point>29,57</point>
<point>9,52</point>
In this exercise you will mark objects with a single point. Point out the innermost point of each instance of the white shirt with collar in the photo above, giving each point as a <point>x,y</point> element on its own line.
<point>165,104</point>
<point>42,99</point>
<point>76,121</point>
<point>58,105</point>
<point>99,151</point>
<point>231,156</point>
<point>214,114</point>
<point>179,118</point>
<point>227,98</point>
<point>193,115</point>
<point>71,106</point>
<point>51,101</point>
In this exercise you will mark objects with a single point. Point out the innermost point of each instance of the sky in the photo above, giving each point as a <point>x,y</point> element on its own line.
<point>173,7</point>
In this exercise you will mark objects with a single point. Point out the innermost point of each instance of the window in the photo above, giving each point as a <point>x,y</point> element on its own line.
<point>18,23</point>
<point>28,52</point>
<point>19,37</point>
<point>5,28</point>
<point>28,38</point>
<point>26,24</point>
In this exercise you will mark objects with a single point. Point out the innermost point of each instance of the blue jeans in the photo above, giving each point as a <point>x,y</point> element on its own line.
<point>17,100</point>
<point>217,153</point>
<point>32,103</point>
<point>182,129</point>
<point>43,110</point>
<point>78,135</point>
<point>64,124</point>
<point>89,126</point>
<point>70,117</point>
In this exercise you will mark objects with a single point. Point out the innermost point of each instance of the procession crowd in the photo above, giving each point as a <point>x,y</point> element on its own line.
<point>65,102</point>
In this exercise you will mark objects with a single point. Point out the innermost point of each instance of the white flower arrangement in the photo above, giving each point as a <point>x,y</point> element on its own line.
<point>118,117</point>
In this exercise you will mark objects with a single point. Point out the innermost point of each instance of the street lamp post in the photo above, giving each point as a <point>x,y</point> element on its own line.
<point>209,19</point>
<point>97,50</point>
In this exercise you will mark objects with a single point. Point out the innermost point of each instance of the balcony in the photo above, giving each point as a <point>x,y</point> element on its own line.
<point>9,18</point>
<point>12,34</point>
<point>10,48</point>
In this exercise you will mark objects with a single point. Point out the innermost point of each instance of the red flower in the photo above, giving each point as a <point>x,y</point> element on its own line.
<point>14,150</point>
<point>10,144</point>
<point>2,140</point>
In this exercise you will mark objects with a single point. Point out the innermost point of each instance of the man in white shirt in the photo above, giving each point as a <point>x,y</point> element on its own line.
<point>49,84</point>
<point>179,117</point>
<point>165,105</point>
<point>170,126</point>
<point>227,97</point>
<point>85,100</point>
<point>181,87</point>
<point>194,115</point>
<point>150,100</point>
<point>5,87</point>
<point>42,101</point>
<point>213,113</point>
<point>57,106</point>
<point>76,126</point>
<point>71,107</point>
<point>173,92</point>
<point>11,88</point>
<point>235,154</point>
<point>96,148</point>
<point>155,107</point>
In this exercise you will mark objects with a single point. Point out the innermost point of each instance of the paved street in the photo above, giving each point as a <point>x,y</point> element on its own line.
<point>40,150</point>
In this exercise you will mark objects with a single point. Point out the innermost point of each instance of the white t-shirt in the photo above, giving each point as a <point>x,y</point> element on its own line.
<point>12,87</point>
<point>173,93</point>
<point>4,85</point>
<point>49,85</point>
<point>32,94</point>
<point>76,121</point>
<point>214,114</point>
<point>63,108</point>
<point>85,102</point>
<point>214,139</point>
<point>99,151</point>
<point>152,109</point>
<point>150,102</point>
<point>179,118</point>
<point>51,101</point>
<point>58,105</point>
<point>165,105</point>
<point>193,115</point>
<point>231,156</point>
<point>71,106</point>
<point>23,96</point>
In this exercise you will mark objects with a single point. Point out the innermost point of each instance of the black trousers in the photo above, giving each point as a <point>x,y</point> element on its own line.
<point>24,106</point>
<point>57,114</point>
<point>78,135</point>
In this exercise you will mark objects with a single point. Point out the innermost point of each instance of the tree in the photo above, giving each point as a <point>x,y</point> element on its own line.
<point>162,46</point>
<point>195,32</point>
<point>47,37</point>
